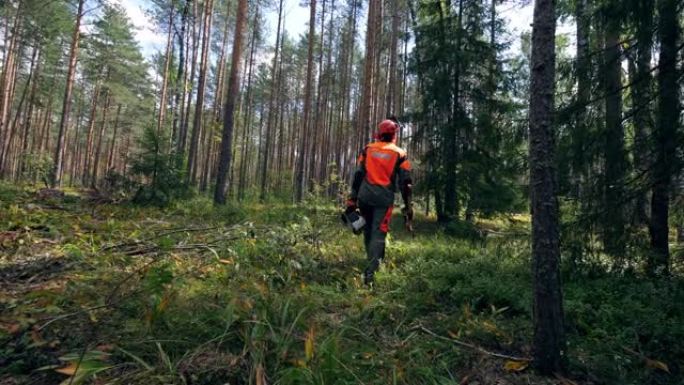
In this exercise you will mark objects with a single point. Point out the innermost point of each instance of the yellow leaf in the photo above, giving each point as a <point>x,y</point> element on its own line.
<point>309,344</point>
<point>299,363</point>
<point>515,366</point>
<point>226,261</point>
<point>68,370</point>
<point>452,334</point>
<point>655,364</point>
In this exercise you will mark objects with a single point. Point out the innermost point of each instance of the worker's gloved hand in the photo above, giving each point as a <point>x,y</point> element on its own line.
<point>351,205</point>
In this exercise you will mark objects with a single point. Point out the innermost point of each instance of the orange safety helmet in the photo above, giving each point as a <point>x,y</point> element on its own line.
<point>387,126</point>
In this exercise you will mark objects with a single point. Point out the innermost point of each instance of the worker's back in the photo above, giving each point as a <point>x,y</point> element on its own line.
<point>385,163</point>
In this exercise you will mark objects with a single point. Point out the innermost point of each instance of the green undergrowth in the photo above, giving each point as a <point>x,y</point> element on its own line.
<point>271,294</point>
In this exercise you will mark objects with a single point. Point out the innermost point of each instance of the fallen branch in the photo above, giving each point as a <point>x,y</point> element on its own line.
<point>471,346</point>
<point>160,235</point>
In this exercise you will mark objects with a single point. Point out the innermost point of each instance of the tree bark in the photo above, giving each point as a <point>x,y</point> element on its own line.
<point>179,97</point>
<point>199,105</point>
<point>8,83</point>
<point>616,160</point>
<point>89,136</point>
<point>580,133</point>
<point>165,81</point>
<point>641,99</point>
<point>66,105</point>
<point>190,83</point>
<point>110,158</point>
<point>233,87</point>
<point>275,79</point>
<point>300,178</point>
<point>549,339</point>
<point>98,148</point>
<point>392,95</point>
<point>663,139</point>
<point>363,125</point>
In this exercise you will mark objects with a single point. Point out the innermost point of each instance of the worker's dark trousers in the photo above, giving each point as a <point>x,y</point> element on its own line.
<point>374,235</point>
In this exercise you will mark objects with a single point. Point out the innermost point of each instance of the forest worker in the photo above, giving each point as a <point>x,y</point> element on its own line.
<point>382,167</point>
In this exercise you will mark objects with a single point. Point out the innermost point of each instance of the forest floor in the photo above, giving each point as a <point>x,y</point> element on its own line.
<point>101,293</point>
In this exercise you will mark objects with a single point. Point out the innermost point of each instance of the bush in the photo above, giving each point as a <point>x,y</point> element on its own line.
<point>161,169</point>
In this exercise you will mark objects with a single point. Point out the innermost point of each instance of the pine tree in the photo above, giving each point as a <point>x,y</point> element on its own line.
<point>233,87</point>
<point>549,341</point>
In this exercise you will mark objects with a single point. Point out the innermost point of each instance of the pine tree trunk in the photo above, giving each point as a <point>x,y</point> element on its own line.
<point>165,81</point>
<point>29,116</point>
<point>110,158</point>
<point>89,136</point>
<point>665,146</point>
<point>580,133</point>
<point>9,158</point>
<point>245,154</point>
<point>193,157</point>
<point>233,87</point>
<point>100,138</point>
<point>549,340</point>
<point>391,96</point>
<point>181,78</point>
<point>66,106</point>
<point>191,78</point>
<point>7,82</point>
<point>275,79</point>
<point>641,100</point>
<point>300,177</point>
<point>616,161</point>
<point>451,203</point>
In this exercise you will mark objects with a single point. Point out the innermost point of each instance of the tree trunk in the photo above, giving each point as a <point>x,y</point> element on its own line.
<point>641,100</point>
<point>663,139</point>
<point>245,154</point>
<point>195,49</point>
<point>180,78</point>
<point>233,87</point>
<point>392,95</point>
<point>580,133</point>
<point>8,83</point>
<point>451,203</point>
<point>615,162</point>
<point>549,339</point>
<point>110,158</point>
<point>98,148</point>
<point>29,116</point>
<point>66,106</point>
<point>363,125</point>
<point>275,80</point>
<point>299,180</point>
<point>165,81</point>
<point>89,136</point>
<point>199,105</point>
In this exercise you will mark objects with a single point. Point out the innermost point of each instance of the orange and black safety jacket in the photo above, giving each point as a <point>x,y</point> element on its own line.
<point>382,167</point>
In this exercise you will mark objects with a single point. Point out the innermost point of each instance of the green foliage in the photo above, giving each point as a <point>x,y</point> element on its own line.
<point>468,98</point>
<point>162,171</point>
<point>219,295</point>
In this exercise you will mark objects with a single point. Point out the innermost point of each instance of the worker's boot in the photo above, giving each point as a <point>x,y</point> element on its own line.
<point>368,279</point>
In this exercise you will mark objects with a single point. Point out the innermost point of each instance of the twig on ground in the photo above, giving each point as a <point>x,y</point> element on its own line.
<point>159,235</point>
<point>471,346</point>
